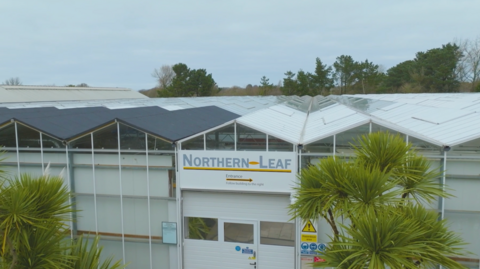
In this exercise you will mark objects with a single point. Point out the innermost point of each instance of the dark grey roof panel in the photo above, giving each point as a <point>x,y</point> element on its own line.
<point>66,124</point>
<point>8,114</point>
<point>178,124</point>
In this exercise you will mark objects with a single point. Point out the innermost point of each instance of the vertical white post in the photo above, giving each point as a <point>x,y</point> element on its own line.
<point>18,153</point>
<point>235,135</point>
<point>266,140</point>
<point>334,144</point>
<point>298,221</point>
<point>69,185</point>
<point>179,214</point>
<point>121,191</point>
<point>41,152</point>
<point>148,202</point>
<point>444,179</point>
<point>94,181</point>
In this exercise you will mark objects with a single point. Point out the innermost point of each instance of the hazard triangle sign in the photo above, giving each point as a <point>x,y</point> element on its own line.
<point>309,228</point>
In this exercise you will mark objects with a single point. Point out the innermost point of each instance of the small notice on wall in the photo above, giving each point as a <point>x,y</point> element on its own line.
<point>169,232</point>
<point>306,262</point>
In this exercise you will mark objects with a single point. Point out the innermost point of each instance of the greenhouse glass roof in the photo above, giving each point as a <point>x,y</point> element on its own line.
<point>441,119</point>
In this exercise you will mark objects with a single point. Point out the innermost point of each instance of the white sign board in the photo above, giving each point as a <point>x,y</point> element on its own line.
<point>237,170</point>
<point>169,232</point>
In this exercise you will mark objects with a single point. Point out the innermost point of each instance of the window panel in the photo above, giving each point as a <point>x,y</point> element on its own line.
<point>221,139</point>
<point>250,139</point>
<point>324,145</point>
<point>424,147</point>
<point>379,128</point>
<point>7,136</point>
<point>196,143</point>
<point>106,138</point>
<point>131,138</point>
<point>201,228</point>
<point>155,143</point>
<point>277,233</point>
<point>27,138</point>
<point>344,140</point>
<point>277,144</point>
<point>84,142</point>
<point>238,232</point>
<point>51,143</point>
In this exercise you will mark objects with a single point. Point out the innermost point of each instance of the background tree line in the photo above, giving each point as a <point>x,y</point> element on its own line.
<point>453,67</point>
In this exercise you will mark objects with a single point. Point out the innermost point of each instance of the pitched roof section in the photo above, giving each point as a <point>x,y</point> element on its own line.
<point>240,105</point>
<point>178,124</point>
<point>66,124</point>
<point>442,119</point>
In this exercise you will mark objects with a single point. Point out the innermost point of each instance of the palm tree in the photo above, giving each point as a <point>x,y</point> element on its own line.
<point>33,230</point>
<point>382,193</point>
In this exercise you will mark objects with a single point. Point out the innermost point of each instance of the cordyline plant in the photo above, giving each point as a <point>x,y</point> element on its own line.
<point>34,211</point>
<point>380,195</point>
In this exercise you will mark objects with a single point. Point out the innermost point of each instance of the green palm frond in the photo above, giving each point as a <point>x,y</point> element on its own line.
<point>399,237</point>
<point>382,149</point>
<point>42,248</point>
<point>27,200</point>
<point>86,255</point>
<point>369,188</point>
<point>419,181</point>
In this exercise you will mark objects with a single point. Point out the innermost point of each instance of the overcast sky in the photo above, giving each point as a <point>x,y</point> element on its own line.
<point>117,43</point>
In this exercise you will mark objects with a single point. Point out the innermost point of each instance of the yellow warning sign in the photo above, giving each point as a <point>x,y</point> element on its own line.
<point>308,228</point>
<point>309,238</point>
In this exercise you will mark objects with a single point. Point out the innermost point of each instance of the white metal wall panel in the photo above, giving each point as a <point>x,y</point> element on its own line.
<point>466,195</point>
<point>200,254</point>
<point>236,206</point>
<point>275,257</point>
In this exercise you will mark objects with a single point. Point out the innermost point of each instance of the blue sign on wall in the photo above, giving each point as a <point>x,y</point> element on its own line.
<point>247,250</point>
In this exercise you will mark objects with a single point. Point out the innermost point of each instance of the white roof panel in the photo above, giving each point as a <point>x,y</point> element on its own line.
<point>13,94</point>
<point>280,121</point>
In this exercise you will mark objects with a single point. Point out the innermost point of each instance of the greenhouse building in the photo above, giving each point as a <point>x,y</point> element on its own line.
<point>205,182</point>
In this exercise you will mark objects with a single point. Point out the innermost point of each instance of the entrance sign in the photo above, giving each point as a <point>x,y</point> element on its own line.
<point>169,233</point>
<point>237,171</point>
